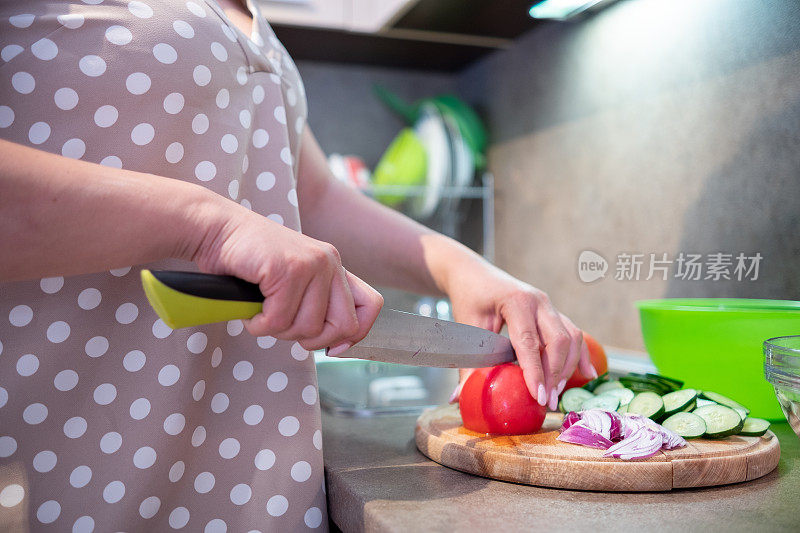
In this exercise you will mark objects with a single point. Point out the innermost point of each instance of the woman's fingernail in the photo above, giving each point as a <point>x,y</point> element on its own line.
<point>541,397</point>
<point>562,385</point>
<point>340,349</point>
<point>594,372</point>
<point>553,400</point>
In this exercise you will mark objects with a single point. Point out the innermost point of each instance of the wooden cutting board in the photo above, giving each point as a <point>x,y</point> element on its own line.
<point>539,459</point>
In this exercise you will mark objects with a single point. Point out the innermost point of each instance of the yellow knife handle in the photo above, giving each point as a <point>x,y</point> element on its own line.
<point>185,299</point>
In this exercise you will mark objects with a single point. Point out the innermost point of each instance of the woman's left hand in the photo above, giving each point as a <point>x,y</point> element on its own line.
<point>548,345</point>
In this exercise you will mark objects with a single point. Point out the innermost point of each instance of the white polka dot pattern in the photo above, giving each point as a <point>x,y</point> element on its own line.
<point>95,390</point>
<point>66,98</point>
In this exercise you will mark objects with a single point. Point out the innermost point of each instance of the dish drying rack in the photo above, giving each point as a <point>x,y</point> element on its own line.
<point>448,217</point>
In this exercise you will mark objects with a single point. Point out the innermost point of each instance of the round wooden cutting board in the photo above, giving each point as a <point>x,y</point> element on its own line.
<point>540,459</point>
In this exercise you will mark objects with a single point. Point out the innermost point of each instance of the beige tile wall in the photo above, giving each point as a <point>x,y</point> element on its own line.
<point>652,127</point>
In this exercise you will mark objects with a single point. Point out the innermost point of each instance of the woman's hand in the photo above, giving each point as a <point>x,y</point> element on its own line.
<point>309,296</point>
<point>548,345</point>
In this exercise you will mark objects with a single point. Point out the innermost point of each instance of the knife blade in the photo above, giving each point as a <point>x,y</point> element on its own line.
<point>184,299</point>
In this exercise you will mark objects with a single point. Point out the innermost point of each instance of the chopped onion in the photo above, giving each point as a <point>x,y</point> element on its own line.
<point>641,437</point>
<point>640,444</point>
<point>616,425</point>
<point>676,441</point>
<point>598,421</point>
<point>669,439</point>
<point>579,433</point>
<point>569,419</point>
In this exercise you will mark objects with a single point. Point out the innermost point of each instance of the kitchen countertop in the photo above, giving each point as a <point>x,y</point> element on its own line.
<point>378,481</point>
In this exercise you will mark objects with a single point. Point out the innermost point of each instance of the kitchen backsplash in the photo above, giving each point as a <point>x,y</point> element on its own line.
<point>345,114</point>
<point>652,127</point>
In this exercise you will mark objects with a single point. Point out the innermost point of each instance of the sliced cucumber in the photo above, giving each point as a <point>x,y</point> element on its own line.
<point>743,412</point>
<point>604,402</point>
<point>623,409</point>
<point>724,400</point>
<point>702,402</point>
<point>678,401</point>
<point>721,421</point>
<point>670,382</point>
<point>754,427</point>
<point>623,395</point>
<point>596,381</point>
<point>572,399</point>
<point>647,404</point>
<point>607,386</point>
<point>691,407</point>
<point>641,383</point>
<point>687,425</point>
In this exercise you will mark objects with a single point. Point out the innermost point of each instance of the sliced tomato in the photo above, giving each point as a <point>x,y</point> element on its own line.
<point>496,400</point>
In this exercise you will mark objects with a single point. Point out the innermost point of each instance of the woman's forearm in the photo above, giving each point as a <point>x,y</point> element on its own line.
<point>377,243</point>
<point>61,216</point>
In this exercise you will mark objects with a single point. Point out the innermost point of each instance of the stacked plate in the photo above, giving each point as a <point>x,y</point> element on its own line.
<point>450,162</point>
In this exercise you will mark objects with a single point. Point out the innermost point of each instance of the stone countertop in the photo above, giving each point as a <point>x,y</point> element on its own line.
<point>379,481</point>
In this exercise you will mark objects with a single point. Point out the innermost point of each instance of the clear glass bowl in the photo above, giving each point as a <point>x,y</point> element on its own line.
<point>782,370</point>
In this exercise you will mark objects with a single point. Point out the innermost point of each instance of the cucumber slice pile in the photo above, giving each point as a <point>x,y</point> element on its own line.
<point>647,404</point>
<point>721,421</point>
<point>608,386</point>
<point>650,383</point>
<point>727,402</point>
<point>623,395</point>
<point>680,400</point>
<point>572,399</point>
<point>687,425</point>
<point>596,382</point>
<point>688,412</point>
<point>754,427</point>
<point>604,402</point>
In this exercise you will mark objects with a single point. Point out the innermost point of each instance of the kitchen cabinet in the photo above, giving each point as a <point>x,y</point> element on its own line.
<point>314,13</point>
<point>441,35</point>
<point>366,16</point>
<point>371,16</point>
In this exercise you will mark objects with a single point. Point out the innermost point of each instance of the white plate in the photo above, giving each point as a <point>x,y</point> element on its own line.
<point>432,133</point>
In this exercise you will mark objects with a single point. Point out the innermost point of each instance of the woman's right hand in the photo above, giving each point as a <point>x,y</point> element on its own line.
<point>308,295</point>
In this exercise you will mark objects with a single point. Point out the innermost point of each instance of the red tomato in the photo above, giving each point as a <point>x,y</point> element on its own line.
<point>496,400</point>
<point>599,362</point>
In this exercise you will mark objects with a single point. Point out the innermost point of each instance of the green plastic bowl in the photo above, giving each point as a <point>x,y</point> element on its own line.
<point>716,344</point>
<point>405,163</point>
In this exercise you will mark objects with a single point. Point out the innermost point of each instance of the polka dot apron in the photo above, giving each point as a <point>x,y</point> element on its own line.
<point>109,420</point>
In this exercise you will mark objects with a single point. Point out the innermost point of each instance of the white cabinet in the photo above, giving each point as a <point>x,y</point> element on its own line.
<point>372,16</point>
<point>334,14</point>
<point>367,16</point>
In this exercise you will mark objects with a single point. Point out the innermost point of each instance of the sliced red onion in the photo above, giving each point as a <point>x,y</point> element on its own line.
<point>616,425</point>
<point>669,439</point>
<point>596,428</point>
<point>598,421</point>
<point>579,433</point>
<point>640,444</point>
<point>569,419</point>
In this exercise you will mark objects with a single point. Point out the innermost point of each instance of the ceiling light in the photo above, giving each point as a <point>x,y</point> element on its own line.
<point>561,9</point>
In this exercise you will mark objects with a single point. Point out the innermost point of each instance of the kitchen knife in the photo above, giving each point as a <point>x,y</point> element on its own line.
<point>184,299</point>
